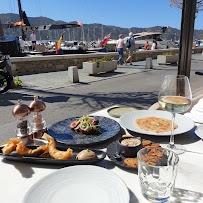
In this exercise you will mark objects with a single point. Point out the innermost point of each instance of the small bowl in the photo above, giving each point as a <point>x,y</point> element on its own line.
<point>129,151</point>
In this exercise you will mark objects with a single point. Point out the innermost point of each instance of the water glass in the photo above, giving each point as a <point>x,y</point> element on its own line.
<point>157,169</point>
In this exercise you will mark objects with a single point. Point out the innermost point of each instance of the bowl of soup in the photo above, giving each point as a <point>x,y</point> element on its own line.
<point>129,146</point>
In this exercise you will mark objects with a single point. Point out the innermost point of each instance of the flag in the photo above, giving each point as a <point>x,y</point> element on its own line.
<point>57,44</point>
<point>19,23</point>
<point>106,39</point>
<point>79,23</point>
<point>57,51</point>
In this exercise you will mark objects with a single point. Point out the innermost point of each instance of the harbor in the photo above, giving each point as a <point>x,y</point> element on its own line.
<point>107,108</point>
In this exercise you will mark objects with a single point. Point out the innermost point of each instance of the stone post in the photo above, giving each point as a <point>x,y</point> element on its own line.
<point>148,64</point>
<point>73,76</point>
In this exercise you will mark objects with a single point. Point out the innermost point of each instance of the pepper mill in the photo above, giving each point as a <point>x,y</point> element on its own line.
<point>21,112</point>
<point>38,123</point>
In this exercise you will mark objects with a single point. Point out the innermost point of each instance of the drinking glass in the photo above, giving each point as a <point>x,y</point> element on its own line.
<point>175,96</point>
<point>157,169</point>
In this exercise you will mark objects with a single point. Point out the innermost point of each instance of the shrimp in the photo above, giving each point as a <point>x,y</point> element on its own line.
<point>55,153</point>
<point>24,151</point>
<point>11,146</point>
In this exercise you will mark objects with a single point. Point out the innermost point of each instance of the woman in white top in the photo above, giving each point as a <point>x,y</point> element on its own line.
<point>153,45</point>
<point>119,48</point>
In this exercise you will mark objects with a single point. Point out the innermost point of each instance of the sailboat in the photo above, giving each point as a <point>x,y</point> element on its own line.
<point>25,25</point>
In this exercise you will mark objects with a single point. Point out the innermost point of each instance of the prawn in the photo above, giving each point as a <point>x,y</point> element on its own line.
<point>24,151</point>
<point>55,153</point>
<point>11,146</point>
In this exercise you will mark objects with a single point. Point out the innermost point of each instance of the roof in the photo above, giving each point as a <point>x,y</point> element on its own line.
<point>146,34</point>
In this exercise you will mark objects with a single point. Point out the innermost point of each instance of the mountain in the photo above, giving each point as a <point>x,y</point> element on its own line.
<point>92,32</point>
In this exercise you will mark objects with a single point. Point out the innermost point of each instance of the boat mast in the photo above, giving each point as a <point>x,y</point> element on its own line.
<point>102,32</point>
<point>21,18</point>
<point>83,35</point>
<point>88,35</point>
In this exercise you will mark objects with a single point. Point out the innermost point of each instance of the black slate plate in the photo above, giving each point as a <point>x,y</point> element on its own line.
<point>111,150</point>
<point>61,132</point>
<point>14,156</point>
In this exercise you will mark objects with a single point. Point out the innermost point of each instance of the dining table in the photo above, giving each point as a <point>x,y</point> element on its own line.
<point>16,178</point>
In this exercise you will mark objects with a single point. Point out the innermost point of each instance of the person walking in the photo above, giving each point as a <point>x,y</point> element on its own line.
<point>119,48</point>
<point>130,45</point>
<point>146,46</point>
<point>33,39</point>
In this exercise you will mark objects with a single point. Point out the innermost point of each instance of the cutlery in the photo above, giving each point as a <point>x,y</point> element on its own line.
<point>117,155</point>
<point>198,122</point>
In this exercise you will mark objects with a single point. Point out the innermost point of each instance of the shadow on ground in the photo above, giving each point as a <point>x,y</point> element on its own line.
<point>94,101</point>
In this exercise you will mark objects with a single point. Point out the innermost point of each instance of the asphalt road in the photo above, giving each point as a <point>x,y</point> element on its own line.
<point>129,86</point>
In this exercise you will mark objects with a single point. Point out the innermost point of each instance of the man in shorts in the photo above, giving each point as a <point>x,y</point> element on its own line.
<point>33,39</point>
<point>131,48</point>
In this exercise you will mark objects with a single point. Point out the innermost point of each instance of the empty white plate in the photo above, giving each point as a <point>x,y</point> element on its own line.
<point>79,184</point>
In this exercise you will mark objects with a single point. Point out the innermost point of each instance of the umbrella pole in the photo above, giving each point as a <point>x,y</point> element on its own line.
<point>186,37</point>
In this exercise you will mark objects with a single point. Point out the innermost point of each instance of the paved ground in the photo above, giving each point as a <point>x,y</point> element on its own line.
<point>129,86</point>
<point>55,80</point>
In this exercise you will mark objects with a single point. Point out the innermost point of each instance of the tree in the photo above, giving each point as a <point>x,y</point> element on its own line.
<point>178,4</point>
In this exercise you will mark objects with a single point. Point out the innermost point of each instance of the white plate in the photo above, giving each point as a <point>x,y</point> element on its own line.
<point>199,131</point>
<point>128,121</point>
<point>79,184</point>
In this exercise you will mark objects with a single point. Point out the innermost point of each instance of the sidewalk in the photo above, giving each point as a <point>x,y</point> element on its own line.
<point>59,79</point>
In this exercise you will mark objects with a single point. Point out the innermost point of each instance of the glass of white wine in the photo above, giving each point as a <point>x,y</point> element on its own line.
<point>175,96</point>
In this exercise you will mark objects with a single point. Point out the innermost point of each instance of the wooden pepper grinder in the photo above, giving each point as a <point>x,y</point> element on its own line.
<point>21,112</point>
<point>38,124</point>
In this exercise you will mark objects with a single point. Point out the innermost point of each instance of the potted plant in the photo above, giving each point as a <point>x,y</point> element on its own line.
<point>167,58</point>
<point>95,66</point>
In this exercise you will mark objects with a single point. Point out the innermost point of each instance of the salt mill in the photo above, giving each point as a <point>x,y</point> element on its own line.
<point>21,112</point>
<point>38,123</point>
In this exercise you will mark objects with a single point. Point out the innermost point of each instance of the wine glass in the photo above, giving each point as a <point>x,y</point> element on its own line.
<point>175,96</point>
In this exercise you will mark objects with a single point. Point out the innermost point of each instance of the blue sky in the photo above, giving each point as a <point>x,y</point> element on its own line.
<point>136,13</point>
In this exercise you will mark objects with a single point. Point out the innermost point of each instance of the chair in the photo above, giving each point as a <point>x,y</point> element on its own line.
<point>195,100</point>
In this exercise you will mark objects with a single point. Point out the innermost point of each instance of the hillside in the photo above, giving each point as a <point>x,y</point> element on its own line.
<point>92,32</point>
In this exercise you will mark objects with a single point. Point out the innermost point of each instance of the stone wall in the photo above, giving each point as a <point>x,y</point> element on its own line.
<point>39,64</point>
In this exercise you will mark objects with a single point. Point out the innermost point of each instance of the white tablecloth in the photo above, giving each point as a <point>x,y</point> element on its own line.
<point>16,178</point>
